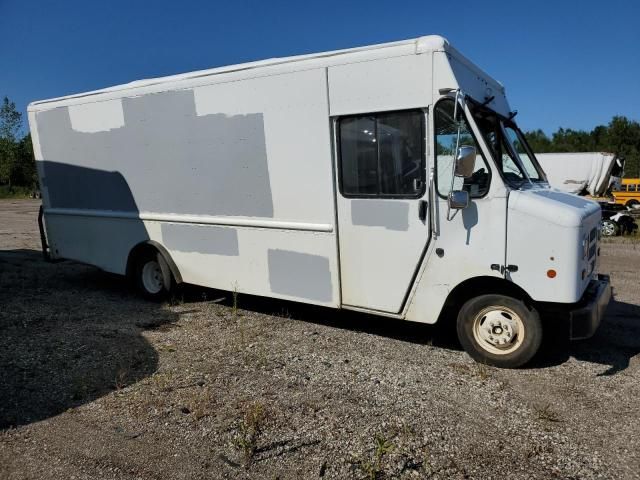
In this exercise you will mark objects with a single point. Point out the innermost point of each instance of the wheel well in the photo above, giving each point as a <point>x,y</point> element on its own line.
<point>151,246</point>
<point>476,286</point>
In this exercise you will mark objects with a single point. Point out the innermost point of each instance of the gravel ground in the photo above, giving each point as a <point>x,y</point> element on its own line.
<point>97,383</point>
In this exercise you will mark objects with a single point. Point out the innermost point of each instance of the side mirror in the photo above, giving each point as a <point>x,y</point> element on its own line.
<point>465,161</point>
<point>458,199</point>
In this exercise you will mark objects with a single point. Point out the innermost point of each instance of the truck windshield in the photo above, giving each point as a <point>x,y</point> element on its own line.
<point>508,146</point>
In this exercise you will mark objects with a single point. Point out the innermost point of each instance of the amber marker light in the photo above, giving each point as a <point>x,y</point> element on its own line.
<point>551,273</point>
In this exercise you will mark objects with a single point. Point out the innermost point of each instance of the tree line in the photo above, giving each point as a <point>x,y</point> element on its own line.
<point>621,136</point>
<point>17,163</point>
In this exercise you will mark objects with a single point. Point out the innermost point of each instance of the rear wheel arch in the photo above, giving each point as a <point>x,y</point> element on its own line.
<point>143,248</point>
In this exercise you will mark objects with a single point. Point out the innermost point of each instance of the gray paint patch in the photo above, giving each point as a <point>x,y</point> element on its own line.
<point>390,214</point>
<point>173,160</point>
<point>300,275</point>
<point>200,238</point>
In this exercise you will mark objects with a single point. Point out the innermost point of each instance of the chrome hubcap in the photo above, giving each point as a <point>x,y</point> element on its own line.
<point>608,229</point>
<point>498,330</point>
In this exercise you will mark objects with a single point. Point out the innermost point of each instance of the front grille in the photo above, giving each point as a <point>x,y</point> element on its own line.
<point>593,242</point>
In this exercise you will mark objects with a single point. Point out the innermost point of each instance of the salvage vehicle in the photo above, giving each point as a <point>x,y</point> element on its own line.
<point>583,173</point>
<point>616,220</point>
<point>629,193</point>
<point>390,179</point>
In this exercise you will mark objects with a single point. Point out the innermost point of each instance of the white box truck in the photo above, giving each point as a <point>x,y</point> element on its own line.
<point>388,179</point>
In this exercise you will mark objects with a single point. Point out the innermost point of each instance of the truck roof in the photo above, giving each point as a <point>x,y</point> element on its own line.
<point>404,47</point>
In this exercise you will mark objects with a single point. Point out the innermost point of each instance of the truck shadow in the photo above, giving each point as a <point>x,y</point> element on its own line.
<point>67,336</point>
<point>615,343</point>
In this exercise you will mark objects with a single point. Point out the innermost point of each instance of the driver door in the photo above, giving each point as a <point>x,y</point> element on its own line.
<point>383,219</point>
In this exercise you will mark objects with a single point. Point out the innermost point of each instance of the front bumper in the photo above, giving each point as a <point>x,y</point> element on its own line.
<point>585,318</point>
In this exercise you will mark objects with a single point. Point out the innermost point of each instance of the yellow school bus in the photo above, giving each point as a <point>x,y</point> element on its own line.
<point>629,192</point>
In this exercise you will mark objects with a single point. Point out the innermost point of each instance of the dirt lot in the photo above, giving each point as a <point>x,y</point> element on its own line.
<point>96,383</point>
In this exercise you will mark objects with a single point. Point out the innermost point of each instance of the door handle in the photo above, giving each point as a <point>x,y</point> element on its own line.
<point>423,207</point>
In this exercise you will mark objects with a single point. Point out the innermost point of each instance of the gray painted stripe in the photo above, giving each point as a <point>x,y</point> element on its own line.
<point>195,219</point>
<point>207,239</point>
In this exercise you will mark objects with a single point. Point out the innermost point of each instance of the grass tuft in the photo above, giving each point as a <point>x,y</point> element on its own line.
<point>249,430</point>
<point>372,468</point>
<point>546,413</point>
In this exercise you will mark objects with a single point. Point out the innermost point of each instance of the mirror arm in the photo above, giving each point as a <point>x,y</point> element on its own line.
<point>453,167</point>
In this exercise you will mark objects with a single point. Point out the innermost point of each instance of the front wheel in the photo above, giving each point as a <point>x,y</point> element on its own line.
<point>499,330</point>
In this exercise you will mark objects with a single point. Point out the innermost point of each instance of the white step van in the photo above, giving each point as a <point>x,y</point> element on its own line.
<point>389,179</point>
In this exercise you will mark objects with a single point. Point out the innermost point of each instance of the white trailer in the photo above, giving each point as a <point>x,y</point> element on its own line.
<point>581,173</point>
<point>388,179</point>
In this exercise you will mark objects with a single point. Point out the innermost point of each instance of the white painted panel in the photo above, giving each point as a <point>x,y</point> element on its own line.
<point>378,261</point>
<point>545,231</point>
<point>297,135</point>
<point>97,116</point>
<point>387,84</point>
<point>470,242</point>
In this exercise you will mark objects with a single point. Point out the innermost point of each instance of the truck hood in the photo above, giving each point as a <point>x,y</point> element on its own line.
<point>554,206</point>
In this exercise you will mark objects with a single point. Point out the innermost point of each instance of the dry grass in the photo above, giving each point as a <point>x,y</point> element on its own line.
<point>546,413</point>
<point>249,430</point>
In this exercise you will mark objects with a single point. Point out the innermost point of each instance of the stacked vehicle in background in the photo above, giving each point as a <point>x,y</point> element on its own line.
<point>583,173</point>
<point>628,193</point>
<point>597,175</point>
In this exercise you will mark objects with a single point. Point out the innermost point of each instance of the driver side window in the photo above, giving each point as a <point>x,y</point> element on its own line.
<point>446,131</point>
<point>382,154</point>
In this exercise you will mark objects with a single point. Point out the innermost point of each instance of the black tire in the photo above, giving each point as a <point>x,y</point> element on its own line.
<point>152,276</point>
<point>513,322</point>
<point>631,203</point>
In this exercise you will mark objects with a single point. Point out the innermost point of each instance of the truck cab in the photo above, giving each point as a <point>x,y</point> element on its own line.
<point>507,249</point>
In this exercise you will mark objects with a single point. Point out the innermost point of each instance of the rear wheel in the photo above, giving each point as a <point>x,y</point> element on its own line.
<point>609,228</point>
<point>632,203</point>
<point>499,330</point>
<point>152,275</point>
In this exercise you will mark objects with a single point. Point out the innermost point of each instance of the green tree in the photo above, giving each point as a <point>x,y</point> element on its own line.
<point>24,171</point>
<point>10,120</point>
<point>17,162</point>
<point>10,124</point>
<point>539,141</point>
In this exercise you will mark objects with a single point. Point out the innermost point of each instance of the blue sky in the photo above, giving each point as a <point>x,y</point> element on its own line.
<point>570,64</point>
